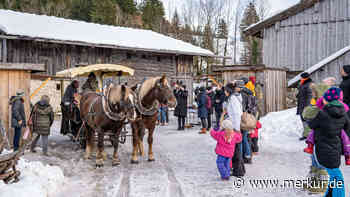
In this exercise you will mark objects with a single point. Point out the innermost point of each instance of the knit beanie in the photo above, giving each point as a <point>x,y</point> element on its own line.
<point>332,94</point>
<point>346,69</point>
<point>305,75</point>
<point>227,124</point>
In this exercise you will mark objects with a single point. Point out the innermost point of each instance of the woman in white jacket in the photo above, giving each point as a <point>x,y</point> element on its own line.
<point>233,111</point>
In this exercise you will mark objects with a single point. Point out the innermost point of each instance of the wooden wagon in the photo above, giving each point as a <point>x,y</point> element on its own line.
<point>101,71</point>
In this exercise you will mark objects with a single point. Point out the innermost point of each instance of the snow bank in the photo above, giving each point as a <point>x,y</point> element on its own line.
<point>37,180</point>
<point>281,129</point>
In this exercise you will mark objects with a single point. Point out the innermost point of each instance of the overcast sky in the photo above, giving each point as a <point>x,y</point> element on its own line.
<point>276,5</point>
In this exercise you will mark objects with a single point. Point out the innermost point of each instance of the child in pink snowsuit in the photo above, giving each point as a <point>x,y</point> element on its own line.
<point>344,137</point>
<point>225,147</point>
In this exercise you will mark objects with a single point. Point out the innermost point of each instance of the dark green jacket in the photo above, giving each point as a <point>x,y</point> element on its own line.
<point>43,118</point>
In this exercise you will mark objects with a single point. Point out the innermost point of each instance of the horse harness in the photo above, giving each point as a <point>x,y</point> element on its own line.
<point>106,110</point>
<point>144,111</point>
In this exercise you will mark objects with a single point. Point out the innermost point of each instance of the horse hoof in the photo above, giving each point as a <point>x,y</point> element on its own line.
<point>151,160</point>
<point>134,162</point>
<point>99,165</point>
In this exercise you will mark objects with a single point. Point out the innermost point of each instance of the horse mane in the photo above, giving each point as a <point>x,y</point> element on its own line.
<point>118,93</point>
<point>147,86</point>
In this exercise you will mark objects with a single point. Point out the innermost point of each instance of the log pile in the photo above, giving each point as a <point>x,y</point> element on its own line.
<point>8,172</point>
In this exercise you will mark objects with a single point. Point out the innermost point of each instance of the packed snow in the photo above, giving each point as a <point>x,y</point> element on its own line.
<point>60,29</point>
<point>185,166</point>
<point>37,179</point>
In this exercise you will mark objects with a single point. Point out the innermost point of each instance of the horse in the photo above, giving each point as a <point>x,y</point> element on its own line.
<point>147,95</point>
<point>107,112</point>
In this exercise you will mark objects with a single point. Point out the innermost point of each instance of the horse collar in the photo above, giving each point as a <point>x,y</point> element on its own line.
<point>144,111</point>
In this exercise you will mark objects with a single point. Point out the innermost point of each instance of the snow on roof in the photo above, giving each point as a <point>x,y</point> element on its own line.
<point>60,29</point>
<point>319,65</point>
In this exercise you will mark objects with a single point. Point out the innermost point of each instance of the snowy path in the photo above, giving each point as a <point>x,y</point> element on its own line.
<point>184,166</point>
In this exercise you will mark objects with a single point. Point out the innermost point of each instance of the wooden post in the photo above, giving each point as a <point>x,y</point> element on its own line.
<point>4,50</point>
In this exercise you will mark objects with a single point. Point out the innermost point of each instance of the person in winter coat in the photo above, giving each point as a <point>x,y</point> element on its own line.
<point>42,119</point>
<point>180,112</point>
<point>68,102</point>
<point>225,147</point>
<point>345,84</point>
<point>309,112</point>
<point>249,105</point>
<point>304,97</point>
<point>91,84</point>
<point>328,125</point>
<point>202,109</point>
<point>18,117</point>
<point>210,96</point>
<point>233,111</point>
<point>219,100</point>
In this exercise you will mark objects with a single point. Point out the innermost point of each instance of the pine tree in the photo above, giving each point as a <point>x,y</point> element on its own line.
<point>103,12</point>
<point>223,34</point>
<point>251,52</point>
<point>208,38</point>
<point>127,6</point>
<point>152,14</point>
<point>81,10</point>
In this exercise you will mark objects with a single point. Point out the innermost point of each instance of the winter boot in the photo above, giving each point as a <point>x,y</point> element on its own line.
<point>203,131</point>
<point>309,149</point>
<point>347,160</point>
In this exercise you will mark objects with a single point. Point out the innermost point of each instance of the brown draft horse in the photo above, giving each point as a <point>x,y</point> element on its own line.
<point>147,95</point>
<point>103,113</point>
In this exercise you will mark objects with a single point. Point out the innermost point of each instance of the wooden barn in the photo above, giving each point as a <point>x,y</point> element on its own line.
<point>312,36</point>
<point>273,82</point>
<point>61,43</point>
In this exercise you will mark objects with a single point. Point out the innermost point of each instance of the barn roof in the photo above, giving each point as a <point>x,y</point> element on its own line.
<point>321,64</point>
<point>256,29</point>
<point>59,30</point>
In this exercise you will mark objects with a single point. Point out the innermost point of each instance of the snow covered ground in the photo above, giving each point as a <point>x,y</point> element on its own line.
<point>184,166</point>
<point>37,179</point>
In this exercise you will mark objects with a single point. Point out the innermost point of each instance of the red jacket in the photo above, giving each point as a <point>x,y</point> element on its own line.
<point>256,130</point>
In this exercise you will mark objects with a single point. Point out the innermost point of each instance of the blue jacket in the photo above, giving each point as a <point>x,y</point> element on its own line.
<point>202,105</point>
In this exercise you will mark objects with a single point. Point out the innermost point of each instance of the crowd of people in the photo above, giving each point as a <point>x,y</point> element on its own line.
<point>324,111</point>
<point>236,107</point>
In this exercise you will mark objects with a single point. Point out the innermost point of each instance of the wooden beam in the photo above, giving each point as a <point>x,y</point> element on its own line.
<point>23,66</point>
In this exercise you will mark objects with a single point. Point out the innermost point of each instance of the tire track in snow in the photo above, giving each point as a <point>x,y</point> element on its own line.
<point>175,189</point>
<point>124,188</point>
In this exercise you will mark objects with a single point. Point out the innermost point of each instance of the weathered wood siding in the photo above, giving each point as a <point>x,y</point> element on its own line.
<point>58,57</point>
<point>303,40</point>
<point>332,69</point>
<point>10,82</point>
<point>275,86</point>
<point>275,90</point>
<point>229,76</point>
